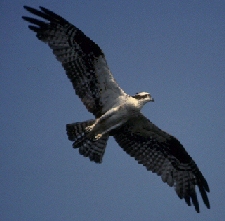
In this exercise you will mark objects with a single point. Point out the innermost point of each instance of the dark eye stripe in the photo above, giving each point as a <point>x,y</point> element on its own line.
<point>138,96</point>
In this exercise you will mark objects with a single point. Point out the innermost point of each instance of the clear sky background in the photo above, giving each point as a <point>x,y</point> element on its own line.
<point>173,49</point>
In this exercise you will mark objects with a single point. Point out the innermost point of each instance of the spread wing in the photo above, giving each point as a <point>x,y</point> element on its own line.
<point>82,59</point>
<point>163,154</point>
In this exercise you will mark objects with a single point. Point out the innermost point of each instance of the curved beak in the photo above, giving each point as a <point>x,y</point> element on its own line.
<point>151,99</point>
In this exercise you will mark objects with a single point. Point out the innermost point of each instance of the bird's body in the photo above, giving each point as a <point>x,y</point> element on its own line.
<point>116,113</point>
<point>116,116</point>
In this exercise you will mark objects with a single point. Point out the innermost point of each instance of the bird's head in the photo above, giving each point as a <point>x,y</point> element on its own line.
<point>143,97</point>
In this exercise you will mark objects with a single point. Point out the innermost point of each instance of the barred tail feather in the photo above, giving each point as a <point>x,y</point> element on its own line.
<point>88,147</point>
<point>76,131</point>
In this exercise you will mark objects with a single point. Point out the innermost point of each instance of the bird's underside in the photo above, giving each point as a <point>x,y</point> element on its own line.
<point>116,113</point>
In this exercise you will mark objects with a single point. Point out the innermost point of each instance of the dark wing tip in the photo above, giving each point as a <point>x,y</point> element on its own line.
<point>206,186</point>
<point>30,9</point>
<point>46,14</point>
<point>204,196</point>
<point>45,10</point>
<point>33,21</point>
<point>27,7</point>
<point>194,200</point>
<point>202,184</point>
<point>52,14</point>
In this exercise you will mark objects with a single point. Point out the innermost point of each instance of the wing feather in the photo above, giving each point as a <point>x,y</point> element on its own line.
<point>82,59</point>
<point>163,154</point>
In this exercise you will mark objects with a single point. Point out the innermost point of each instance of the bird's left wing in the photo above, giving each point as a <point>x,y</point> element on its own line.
<point>82,59</point>
<point>163,154</point>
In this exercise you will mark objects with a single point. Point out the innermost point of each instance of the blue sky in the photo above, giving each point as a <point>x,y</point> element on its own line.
<point>173,49</point>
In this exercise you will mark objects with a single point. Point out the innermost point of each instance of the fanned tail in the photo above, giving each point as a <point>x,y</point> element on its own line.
<point>88,146</point>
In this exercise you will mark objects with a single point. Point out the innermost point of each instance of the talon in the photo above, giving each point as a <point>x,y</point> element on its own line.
<point>98,136</point>
<point>89,128</point>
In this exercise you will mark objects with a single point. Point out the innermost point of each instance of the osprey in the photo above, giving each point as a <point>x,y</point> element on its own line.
<point>116,113</point>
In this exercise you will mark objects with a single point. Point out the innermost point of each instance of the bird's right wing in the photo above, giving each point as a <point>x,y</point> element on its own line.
<point>82,59</point>
<point>164,155</point>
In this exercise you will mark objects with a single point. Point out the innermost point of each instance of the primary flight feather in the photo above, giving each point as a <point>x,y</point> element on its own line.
<point>116,113</point>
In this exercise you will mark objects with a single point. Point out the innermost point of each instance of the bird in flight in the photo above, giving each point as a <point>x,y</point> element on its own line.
<point>116,113</point>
